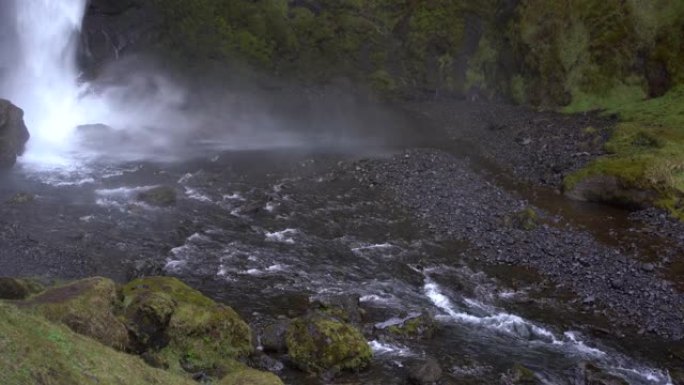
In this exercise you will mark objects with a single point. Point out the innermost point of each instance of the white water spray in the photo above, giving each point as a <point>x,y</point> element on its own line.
<point>44,78</point>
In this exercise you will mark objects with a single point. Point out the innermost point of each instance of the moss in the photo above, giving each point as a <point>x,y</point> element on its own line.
<point>87,307</point>
<point>34,351</point>
<point>190,331</point>
<point>421,326</point>
<point>248,376</point>
<point>317,344</point>
<point>646,151</point>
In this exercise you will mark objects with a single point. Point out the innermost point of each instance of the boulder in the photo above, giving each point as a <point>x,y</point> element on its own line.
<point>413,326</point>
<point>87,307</point>
<point>273,337</point>
<point>16,289</point>
<point>520,375</point>
<point>425,372</point>
<point>343,306</point>
<point>179,328</point>
<point>13,133</point>
<point>248,376</point>
<point>610,189</point>
<point>594,375</point>
<point>318,343</point>
<point>162,196</point>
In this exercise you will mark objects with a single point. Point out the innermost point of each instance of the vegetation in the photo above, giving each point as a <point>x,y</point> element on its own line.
<point>646,152</point>
<point>318,343</point>
<point>35,351</point>
<point>180,329</point>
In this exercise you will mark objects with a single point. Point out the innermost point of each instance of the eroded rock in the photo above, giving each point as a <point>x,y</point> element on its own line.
<point>13,133</point>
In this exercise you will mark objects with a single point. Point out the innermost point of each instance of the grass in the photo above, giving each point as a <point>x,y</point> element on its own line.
<point>34,351</point>
<point>646,150</point>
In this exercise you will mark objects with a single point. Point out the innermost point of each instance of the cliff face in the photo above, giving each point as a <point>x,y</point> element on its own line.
<point>552,53</point>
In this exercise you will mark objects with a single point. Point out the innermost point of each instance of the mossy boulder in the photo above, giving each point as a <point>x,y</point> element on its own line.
<point>181,329</point>
<point>248,376</point>
<point>87,307</point>
<point>520,375</point>
<point>414,326</point>
<point>318,343</point>
<point>15,289</point>
<point>161,196</point>
<point>35,351</point>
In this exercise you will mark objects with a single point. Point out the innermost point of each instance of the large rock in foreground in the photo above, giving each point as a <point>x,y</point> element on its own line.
<point>35,351</point>
<point>319,344</point>
<point>87,307</point>
<point>176,327</point>
<point>13,133</point>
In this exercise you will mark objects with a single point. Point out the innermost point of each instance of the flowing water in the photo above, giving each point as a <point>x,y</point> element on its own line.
<point>266,230</point>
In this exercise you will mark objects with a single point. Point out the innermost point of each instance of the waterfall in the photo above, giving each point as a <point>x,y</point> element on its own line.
<point>42,77</point>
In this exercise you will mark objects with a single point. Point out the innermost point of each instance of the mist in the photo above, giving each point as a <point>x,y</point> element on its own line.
<point>136,110</point>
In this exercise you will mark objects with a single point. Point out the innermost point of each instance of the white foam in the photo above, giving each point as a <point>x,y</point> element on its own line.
<point>382,348</point>
<point>196,195</point>
<point>373,247</point>
<point>284,236</point>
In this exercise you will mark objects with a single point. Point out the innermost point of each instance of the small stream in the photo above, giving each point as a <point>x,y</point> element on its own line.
<point>266,230</point>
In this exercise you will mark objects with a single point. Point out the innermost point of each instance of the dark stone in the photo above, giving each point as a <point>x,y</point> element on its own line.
<point>13,133</point>
<point>608,189</point>
<point>13,289</point>
<point>596,376</point>
<point>343,306</point>
<point>425,372</point>
<point>159,196</point>
<point>273,337</point>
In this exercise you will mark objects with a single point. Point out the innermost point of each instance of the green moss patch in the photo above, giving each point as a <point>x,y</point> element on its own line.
<point>34,351</point>
<point>87,307</point>
<point>317,344</point>
<point>182,329</point>
<point>646,152</point>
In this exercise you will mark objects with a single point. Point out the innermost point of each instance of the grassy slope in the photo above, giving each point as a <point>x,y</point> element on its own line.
<point>34,351</point>
<point>647,148</point>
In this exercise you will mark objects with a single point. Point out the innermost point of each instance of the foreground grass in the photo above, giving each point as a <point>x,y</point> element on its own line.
<point>646,150</point>
<point>34,351</point>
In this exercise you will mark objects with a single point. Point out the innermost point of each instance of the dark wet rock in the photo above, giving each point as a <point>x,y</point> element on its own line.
<point>162,196</point>
<point>344,306</point>
<point>265,362</point>
<point>87,307</point>
<point>593,375</point>
<point>112,29</point>
<point>564,254</point>
<point>520,375</point>
<point>273,337</point>
<point>425,372</point>
<point>609,189</point>
<point>321,344</point>
<point>13,133</point>
<point>181,328</point>
<point>15,289</point>
<point>413,326</point>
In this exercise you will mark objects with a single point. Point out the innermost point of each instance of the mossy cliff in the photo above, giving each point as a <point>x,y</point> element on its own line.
<point>622,56</point>
<point>81,332</point>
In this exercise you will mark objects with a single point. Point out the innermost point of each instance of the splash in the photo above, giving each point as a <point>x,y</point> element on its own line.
<point>44,78</point>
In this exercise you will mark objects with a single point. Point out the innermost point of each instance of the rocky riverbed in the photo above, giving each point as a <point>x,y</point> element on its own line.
<point>508,281</point>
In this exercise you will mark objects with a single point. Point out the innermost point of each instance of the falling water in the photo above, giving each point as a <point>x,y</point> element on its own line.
<point>44,77</point>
